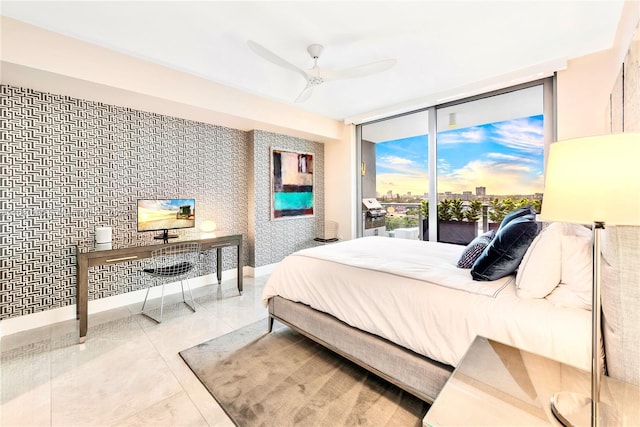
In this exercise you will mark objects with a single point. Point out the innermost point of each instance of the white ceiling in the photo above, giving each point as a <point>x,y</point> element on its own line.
<point>444,49</point>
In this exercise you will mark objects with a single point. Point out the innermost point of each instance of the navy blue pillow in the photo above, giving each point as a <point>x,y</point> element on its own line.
<point>525,211</point>
<point>474,249</point>
<point>505,252</point>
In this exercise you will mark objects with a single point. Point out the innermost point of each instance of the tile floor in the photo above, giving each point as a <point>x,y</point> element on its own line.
<point>128,372</point>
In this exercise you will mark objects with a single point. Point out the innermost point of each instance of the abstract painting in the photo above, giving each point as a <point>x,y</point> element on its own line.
<point>291,184</point>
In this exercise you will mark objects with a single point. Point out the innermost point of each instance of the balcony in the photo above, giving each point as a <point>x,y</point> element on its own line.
<point>458,222</point>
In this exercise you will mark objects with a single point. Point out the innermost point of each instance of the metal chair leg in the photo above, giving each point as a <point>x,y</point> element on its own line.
<point>145,302</point>
<point>193,303</point>
<point>145,298</point>
<point>161,304</point>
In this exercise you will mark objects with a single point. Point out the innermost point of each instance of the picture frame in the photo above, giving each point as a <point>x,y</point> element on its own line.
<point>292,184</point>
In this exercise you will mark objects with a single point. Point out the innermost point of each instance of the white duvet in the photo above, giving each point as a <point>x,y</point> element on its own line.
<point>411,293</point>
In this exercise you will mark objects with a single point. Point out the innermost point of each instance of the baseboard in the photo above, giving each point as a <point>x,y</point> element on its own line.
<point>49,317</point>
<point>259,271</point>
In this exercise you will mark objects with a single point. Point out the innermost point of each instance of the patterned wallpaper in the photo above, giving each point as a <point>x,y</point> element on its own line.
<point>274,239</point>
<point>69,165</point>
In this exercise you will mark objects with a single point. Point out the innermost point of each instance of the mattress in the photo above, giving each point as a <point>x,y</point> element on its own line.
<point>438,320</point>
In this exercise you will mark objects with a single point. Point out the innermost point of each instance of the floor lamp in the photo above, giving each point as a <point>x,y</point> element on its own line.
<point>596,181</point>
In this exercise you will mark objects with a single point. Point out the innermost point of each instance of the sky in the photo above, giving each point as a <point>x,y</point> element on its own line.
<point>505,157</point>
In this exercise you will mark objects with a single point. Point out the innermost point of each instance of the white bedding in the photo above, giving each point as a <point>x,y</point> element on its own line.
<point>435,263</point>
<point>435,320</point>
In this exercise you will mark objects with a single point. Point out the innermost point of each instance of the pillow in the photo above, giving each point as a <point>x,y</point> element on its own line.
<point>540,270</point>
<point>577,262</point>
<point>474,249</point>
<point>562,296</point>
<point>518,213</point>
<point>506,250</point>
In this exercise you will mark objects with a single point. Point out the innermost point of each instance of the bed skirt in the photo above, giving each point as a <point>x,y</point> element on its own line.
<point>414,373</point>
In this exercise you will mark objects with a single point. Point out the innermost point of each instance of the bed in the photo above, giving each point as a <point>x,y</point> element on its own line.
<point>403,310</point>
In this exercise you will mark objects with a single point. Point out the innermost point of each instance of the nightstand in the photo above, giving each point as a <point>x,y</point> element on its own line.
<point>496,384</point>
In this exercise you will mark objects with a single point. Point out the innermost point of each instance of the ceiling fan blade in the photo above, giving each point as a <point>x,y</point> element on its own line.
<point>359,71</point>
<point>273,58</point>
<point>305,94</point>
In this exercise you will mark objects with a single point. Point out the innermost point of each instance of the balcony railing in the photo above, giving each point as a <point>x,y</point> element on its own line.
<point>405,220</point>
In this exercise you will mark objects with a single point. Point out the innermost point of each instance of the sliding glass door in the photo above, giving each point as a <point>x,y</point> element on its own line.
<point>453,171</point>
<point>490,161</point>
<point>394,175</point>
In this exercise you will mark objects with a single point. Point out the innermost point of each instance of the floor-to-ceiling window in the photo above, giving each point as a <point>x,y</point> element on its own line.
<point>486,158</point>
<point>394,173</point>
<point>490,161</point>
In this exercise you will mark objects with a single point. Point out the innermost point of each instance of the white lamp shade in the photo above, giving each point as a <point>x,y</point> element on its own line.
<point>594,179</point>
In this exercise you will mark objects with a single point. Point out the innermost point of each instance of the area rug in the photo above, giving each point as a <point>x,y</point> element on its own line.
<point>286,379</point>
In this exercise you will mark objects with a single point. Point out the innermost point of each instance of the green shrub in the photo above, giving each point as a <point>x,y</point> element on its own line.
<point>457,210</point>
<point>444,210</point>
<point>474,210</point>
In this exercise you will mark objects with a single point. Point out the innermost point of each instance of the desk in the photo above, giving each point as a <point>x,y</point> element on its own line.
<point>496,384</point>
<point>89,257</point>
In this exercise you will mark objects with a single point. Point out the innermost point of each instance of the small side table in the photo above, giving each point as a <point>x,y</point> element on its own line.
<point>496,384</point>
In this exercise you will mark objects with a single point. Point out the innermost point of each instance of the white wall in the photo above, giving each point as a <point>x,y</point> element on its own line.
<point>584,87</point>
<point>340,182</point>
<point>45,61</point>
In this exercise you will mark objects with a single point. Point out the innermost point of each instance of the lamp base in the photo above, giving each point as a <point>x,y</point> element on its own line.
<point>574,409</point>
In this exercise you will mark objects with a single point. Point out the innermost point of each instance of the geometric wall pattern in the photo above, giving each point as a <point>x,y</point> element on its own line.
<point>272,240</point>
<point>69,165</point>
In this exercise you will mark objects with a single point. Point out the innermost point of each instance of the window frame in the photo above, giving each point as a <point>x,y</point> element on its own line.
<point>549,90</point>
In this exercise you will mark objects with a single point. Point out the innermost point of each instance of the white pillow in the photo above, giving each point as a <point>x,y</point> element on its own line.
<point>577,263</point>
<point>540,270</point>
<point>562,296</point>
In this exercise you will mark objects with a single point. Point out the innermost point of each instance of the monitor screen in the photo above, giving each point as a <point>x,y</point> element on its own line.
<point>166,214</point>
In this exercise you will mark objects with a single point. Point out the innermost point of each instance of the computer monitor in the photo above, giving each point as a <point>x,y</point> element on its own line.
<point>166,214</point>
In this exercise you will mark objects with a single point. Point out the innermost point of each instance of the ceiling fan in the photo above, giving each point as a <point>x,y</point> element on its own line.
<point>316,76</point>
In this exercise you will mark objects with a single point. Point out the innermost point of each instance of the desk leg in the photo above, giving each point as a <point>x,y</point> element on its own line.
<point>240,265</point>
<point>82,295</point>
<point>219,272</point>
<point>219,265</point>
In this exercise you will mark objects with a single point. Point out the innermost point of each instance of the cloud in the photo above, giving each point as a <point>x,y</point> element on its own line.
<point>510,163</point>
<point>443,166</point>
<point>498,178</point>
<point>401,184</point>
<point>512,158</point>
<point>472,135</point>
<point>399,165</point>
<point>525,135</point>
<point>395,160</point>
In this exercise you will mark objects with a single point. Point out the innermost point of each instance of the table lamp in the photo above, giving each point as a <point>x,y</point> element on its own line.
<point>593,180</point>
<point>208,228</point>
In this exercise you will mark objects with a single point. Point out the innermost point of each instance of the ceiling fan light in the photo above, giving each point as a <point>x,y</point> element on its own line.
<point>315,50</point>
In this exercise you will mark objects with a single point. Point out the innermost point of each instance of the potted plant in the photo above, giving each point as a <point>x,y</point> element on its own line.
<point>456,223</point>
<point>444,210</point>
<point>456,208</point>
<point>424,213</point>
<point>501,208</point>
<point>524,202</point>
<point>498,209</point>
<point>474,211</point>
